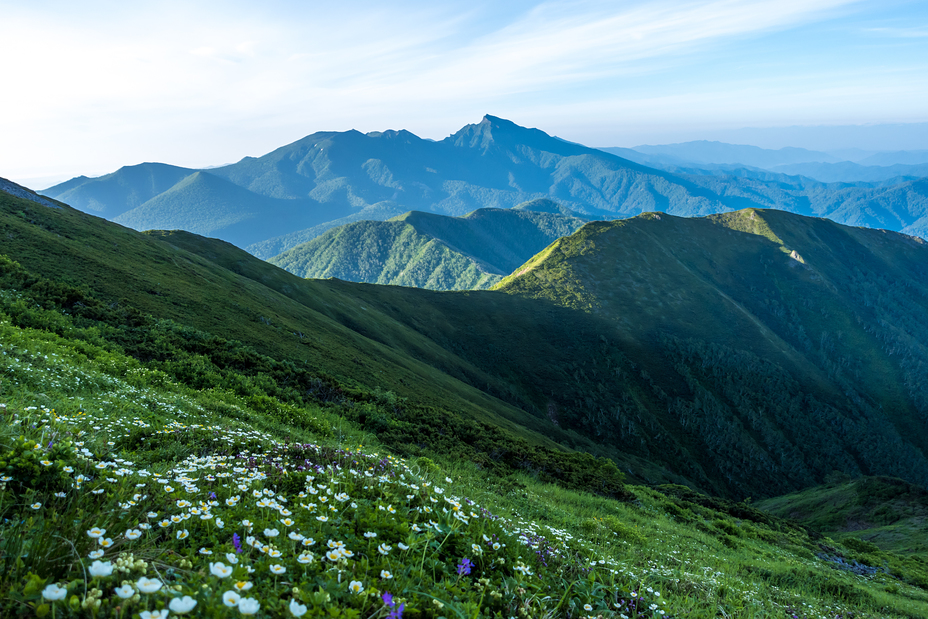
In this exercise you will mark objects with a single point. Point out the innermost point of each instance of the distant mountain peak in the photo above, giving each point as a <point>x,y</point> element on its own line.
<point>493,130</point>
<point>401,135</point>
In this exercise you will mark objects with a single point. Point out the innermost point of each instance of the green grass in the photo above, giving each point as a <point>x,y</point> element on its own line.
<point>886,513</point>
<point>128,449</point>
<point>695,352</point>
<point>120,415</point>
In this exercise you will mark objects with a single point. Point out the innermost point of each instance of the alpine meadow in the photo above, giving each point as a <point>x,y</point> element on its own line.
<point>291,328</point>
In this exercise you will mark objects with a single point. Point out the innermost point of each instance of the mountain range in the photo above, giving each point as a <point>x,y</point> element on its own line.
<point>750,353</point>
<point>192,369</point>
<point>704,157</point>
<point>287,197</point>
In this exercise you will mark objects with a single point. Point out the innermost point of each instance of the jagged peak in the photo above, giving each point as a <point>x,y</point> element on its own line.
<point>493,130</point>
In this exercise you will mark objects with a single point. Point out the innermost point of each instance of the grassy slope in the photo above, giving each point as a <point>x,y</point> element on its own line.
<point>660,398</point>
<point>720,285</point>
<point>166,280</point>
<point>888,513</point>
<point>704,557</point>
<point>224,291</point>
<point>681,554</point>
<point>705,347</point>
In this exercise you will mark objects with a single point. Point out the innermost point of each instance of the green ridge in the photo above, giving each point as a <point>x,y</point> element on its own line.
<point>683,349</point>
<point>431,251</point>
<point>100,402</point>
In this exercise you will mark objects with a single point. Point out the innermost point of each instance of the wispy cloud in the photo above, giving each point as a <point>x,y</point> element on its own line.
<point>149,77</point>
<point>558,44</point>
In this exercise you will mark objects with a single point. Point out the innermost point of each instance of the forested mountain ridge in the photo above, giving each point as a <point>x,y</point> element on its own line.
<point>431,251</point>
<point>341,177</point>
<point>127,344</point>
<point>745,354</point>
<point>771,326</point>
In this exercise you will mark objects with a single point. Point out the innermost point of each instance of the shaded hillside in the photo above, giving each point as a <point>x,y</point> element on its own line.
<point>429,251</point>
<point>888,513</point>
<point>331,178</point>
<point>766,331</point>
<point>747,354</point>
<point>210,302</point>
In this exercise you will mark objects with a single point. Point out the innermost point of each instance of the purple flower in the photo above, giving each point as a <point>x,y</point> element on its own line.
<point>238,542</point>
<point>212,495</point>
<point>464,567</point>
<point>396,613</point>
<point>387,599</point>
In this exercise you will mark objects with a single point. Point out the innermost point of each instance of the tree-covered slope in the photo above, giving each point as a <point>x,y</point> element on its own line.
<point>429,251</point>
<point>492,164</point>
<point>386,252</point>
<point>783,342</point>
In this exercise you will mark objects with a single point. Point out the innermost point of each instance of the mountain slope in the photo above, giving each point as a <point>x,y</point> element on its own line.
<point>348,176</point>
<point>494,163</point>
<point>429,251</point>
<point>886,512</point>
<point>113,194</point>
<point>140,416</point>
<point>211,286</point>
<point>747,354</point>
<point>385,252</point>
<point>208,205</point>
<point>759,315</point>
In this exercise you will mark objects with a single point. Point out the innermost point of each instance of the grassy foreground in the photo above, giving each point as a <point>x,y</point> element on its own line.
<point>127,493</point>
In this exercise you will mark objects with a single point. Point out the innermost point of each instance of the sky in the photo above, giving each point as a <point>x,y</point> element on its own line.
<point>88,87</point>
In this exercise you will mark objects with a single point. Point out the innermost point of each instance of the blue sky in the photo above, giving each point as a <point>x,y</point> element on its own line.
<point>100,84</point>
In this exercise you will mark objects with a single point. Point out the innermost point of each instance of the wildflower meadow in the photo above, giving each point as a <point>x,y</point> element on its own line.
<point>124,493</point>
